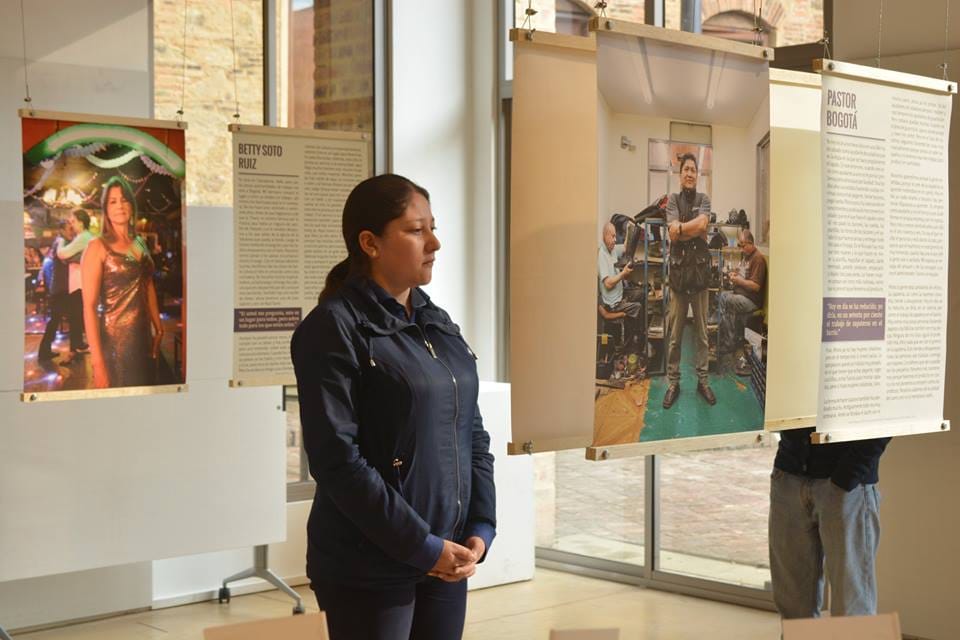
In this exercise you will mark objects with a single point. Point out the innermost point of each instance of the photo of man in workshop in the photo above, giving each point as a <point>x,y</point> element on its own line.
<point>681,265</point>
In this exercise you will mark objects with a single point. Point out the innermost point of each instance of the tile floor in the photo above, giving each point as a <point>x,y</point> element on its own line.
<point>526,611</point>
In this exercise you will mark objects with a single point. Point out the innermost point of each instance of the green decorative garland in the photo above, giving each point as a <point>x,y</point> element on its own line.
<point>79,134</point>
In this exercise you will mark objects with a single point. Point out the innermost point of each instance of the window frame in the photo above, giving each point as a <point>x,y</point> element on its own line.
<point>305,487</point>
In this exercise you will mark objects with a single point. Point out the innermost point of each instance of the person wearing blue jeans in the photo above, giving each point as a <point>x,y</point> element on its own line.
<point>824,512</point>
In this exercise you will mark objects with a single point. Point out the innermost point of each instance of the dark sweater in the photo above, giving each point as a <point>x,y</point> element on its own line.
<point>847,464</point>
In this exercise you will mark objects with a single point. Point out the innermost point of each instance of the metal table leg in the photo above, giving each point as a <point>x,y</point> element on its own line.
<point>260,570</point>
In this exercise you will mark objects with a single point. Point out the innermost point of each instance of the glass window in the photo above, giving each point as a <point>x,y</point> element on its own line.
<point>713,515</point>
<point>740,26</point>
<point>627,10</point>
<point>593,509</point>
<point>573,16</point>
<point>671,14</point>
<point>663,174</point>
<point>325,65</point>
<point>557,16</point>
<point>784,23</point>
<point>204,82</point>
<point>296,459</point>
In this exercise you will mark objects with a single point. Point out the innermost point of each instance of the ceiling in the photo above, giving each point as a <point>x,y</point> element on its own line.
<point>660,79</point>
<point>113,35</point>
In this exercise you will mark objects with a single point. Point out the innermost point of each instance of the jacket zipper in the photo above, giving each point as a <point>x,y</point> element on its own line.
<point>456,419</point>
<point>397,463</point>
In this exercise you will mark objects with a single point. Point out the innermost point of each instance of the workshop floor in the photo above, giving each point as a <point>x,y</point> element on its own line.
<point>737,407</point>
<point>636,413</point>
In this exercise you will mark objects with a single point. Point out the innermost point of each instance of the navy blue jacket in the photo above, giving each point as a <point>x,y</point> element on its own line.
<point>847,464</point>
<point>393,436</point>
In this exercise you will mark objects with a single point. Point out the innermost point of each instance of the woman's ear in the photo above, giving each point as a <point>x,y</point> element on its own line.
<point>369,243</point>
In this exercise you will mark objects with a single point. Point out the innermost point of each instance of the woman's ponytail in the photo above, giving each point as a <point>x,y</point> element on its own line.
<point>335,279</point>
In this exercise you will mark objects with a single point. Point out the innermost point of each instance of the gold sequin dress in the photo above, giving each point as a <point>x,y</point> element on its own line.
<point>125,324</point>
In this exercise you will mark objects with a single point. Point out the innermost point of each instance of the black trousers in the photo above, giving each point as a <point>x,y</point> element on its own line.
<point>59,307</point>
<point>75,318</point>
<point>429,610</point>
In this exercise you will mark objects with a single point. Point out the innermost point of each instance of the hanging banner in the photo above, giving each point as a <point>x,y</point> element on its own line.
<point>664,154</point>
<point>884,155</point>
<point>289,188</point>
<point>103,256</point>
<point>682,230</point>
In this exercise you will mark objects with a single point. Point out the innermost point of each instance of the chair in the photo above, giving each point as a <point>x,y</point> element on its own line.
<point>758,318</point>
<point>612,317</point>
<point>605,350</point>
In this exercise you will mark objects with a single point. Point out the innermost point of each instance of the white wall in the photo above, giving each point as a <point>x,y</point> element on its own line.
<point>443,121</point>
<point>196,578</point>
<point>624,182</point>
<point>72,596</point>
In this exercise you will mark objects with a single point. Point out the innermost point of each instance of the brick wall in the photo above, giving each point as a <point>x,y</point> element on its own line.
<point>300,114</point>
<point>209,97</point>
<point>343,57</point>
<point>795,21</point>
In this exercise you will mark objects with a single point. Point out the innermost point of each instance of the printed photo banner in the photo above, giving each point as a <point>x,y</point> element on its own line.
<point>884,153</point>
<point>289,188</point>
<point>682,250</point>
<point>663,151</point>
<point>104,276</point>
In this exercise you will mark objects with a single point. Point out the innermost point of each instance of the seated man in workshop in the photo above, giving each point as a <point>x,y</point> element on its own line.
<point>736,305</point>
<point>611,278</point>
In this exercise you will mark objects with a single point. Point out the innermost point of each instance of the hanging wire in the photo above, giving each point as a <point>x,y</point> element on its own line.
<point>23,33</point>
<point>879,33</point>
<point>529,13</point>
<point>825,41</point>
<point>946,35</point>
<point>757,24</point>
<point>236,93</point>
<point>183,72</point>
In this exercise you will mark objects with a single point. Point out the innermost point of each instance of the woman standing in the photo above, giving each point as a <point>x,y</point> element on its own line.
<point>404,506</point>
<point>117,272</point>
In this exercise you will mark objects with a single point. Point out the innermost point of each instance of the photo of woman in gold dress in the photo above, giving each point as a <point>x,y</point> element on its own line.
<point>117,272</point>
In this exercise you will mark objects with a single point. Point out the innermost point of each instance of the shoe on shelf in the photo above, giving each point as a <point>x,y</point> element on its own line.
<point>704,390</point>
<point>743,367</point>
<point>671,395</point>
